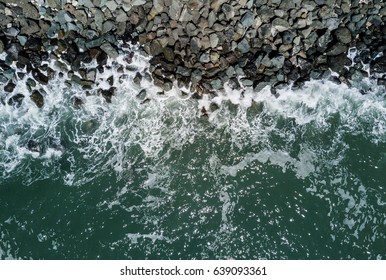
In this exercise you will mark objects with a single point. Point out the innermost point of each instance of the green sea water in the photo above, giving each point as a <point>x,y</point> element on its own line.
<point>299,175</point>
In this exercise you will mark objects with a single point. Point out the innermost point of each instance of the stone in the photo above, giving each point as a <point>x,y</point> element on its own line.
<point>37,98</point>
<point>216,84</point>
<point>40,77</point>
<point>16,100</point>
<point>111,5</point>
<point>214,40</point>
<point>4,19</point>
<point>30,11</point>
<point>323,41</point>
<point>278,61</point>
<point>175,10</point>
<point>108,26</point>
<point>343,35</point>
<point>248,19</point>
<point>11,32</point>
<point>216,4</point>
<point>109,50</point>
<point>9,87</point>
<point>196,76</point>
<point>228,11</point>
<point>155,48</point>
<point>169,54</point>
<point>280,25</point>
<point>183,71</point>
<point>195,45</point>
<point>243,46</point>
<point>337,49</point>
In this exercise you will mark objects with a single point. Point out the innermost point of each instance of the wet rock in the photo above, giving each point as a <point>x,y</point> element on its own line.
<point>337,49</point>
<point>108,94</point>
<point>109,50</point>
<point>37,98</point>
<point>343,35</point>
<point>9,87</point>
<point>13,51</point>
<point>16,100</point>
<point>379,65</point>
<point>183,71</point>
<point>40,77</point>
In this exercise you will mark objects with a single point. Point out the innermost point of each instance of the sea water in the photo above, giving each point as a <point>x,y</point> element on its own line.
<point>296,175</point>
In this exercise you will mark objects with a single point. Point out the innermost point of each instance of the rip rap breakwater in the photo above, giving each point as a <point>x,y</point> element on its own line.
<point>200,45</point>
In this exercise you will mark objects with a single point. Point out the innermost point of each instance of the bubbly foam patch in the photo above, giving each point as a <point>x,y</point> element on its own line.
<point>121,134</point>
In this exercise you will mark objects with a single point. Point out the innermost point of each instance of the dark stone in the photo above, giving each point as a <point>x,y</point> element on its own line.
<point>37,98</point>
<point>9,87</point>
<point>76,101</point>
<point>33,146</point>
<point>13,51</point>
<point>379,65</point>
<point>108,94</point>
<point>40,77</point>
<point>102,58</point>
<point>16,100</point>
<point>35,59</point>
<point>138,78</point>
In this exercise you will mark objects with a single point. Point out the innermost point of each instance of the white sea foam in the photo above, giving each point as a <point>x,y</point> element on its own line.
<point>106,133</point>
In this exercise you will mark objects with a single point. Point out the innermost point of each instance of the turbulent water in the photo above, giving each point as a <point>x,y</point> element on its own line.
<point>299,175</point>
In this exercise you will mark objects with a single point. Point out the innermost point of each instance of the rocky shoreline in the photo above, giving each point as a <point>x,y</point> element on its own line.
<point>196,44</point>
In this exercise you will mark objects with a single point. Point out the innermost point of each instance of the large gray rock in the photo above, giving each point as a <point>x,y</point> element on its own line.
<point>228,10</point>
<point>343,34</point>
<point>248,19</point>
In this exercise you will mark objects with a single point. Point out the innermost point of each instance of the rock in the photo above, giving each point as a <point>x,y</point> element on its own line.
<point>205,58</point>
<point>142,94</point>
<point>30,11</point>
<point>337,49</point>
<point>243,46</point>
<point>228,11</point>
<point>278,61</point>
<point>109,50</point>
<point>214,40</point>
<point>4,19</point>
<point>137,79</point>
<point>343,35</point>
<point>11,32</point>
<point>107,26</point>
<point>16,100</point>
<point>195,45</point>
<point>13,51</point>
<point>379,65</point>
<point>108,94</point>
<point>9,87</point>
<point>216,4</point>
<point>248,19</point>
<point>183,71</point>
<point>155,47</point>
<point>37,98</point>
<point>40,77</point>
<point>175,11</point>
<point>280,25</point>
<point>323,41</point>
<point>169,54</point>
<point>196,76</point>
<point>216,84</point>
